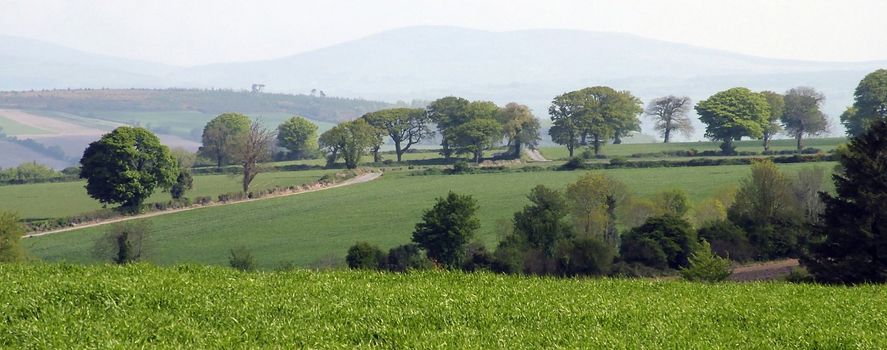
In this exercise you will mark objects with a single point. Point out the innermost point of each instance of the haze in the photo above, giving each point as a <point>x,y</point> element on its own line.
<point>199,32</point>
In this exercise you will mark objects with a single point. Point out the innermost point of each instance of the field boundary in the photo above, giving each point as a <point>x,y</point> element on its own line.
<point>362,178</point>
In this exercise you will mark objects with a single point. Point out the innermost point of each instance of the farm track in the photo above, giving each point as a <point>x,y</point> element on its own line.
<point>367,177</point>
<point>535,155</point>
<point>769,270</point>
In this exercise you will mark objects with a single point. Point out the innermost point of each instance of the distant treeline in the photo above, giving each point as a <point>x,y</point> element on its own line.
<point>212,101</point>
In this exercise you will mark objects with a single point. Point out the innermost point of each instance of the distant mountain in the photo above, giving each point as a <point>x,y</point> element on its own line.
<point>529,66</point>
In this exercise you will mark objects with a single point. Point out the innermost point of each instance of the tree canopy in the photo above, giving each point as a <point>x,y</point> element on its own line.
<point>870,103</point>
<point>476,136</point>
<point>670,115</point>
<point>802,114</point>
<point>405,126</point>
<point>299,136</point>
<point>598,112</point>
<point>777,106</point>
<point>447,227</point>
<point>126,165</point>
<point>221,137</point>
<point>349,140</point>
<point>732,114</point>
<point>519,126</point>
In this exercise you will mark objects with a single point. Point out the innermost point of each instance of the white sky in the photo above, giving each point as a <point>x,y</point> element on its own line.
<point>202,31</point>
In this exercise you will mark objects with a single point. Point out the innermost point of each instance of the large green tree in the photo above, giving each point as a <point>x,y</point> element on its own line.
<point>777,107</point>
<point>447,228</point>
<point>405,126</point>
<point>850,244</point>
<point>732,114</point>
<point>802,114</point>
<point>476,136</point>
<point>870,103</point>
<point>448,112</point>
<point>543,222</point>
<point>222,135</point>
<point>598,112</point>
<point>126,165</point>
<point>567,113</point>
<point>349,140</point>
<point>299,136</point>
<point>519,127</point>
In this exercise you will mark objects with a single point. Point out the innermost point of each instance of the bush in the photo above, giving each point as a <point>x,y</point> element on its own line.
<point>123,242</point>
<point>477,258</point>
<point>727,240</point>
<point>242,259</point>
<point>672,235</point>
<point>10,233</point>
<point>624,269</point>
<point>704,266</point>
<point>363,255</point>
<point>799,275</point>
<point>573,164</point>
<point>618,161</point>
<point>461,167</point>
<point>585,257</point>
<point>587,154</point>
<point>405,258</point>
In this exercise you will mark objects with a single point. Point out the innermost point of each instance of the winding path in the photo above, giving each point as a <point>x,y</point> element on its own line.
<point>367,177</point>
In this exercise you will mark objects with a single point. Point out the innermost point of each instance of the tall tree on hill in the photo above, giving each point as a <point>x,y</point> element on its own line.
<point>777,107</point>
<point>598,112</point>
<point>732,114</point>
<point>447,112</point>
<point>870,103</point>
<point>802,114</point>
<point>125,166</point>
<point>670,115</point>
<point>519,127</point>
<point>221,135</point>
<point>850,245</point>
<point>299,136</point>
<point>405,126</point>
<point>253,149</point>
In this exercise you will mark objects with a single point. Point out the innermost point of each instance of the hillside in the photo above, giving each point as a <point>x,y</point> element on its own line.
<point>69,306</point>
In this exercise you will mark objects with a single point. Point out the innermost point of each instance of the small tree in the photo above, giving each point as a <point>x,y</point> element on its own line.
<point>670,115</point>
<point>350,140</point>
<point>732,114</point>
<point>407,257</point>
<point>519,127</point>
<point>802,114</point>
<point>448,112</point>
<point>543,223</point>
<point>476,136</point>
<point>405,126</point>
<point>184,180</point>
<point>705,266</point>
<point>253,149</point>
<point>594,200</point>
<point>869,103</point>
<point>125,166</point>
<point>674,202</point>
<point>850,245</point>
<point>777,107</point>
<point>446,228</point>
<point>124,242</point>
<point>299,136</point>
<point>10,233</point>
<point>241,259</point>
<point>363,255</point>
<point>668,236</point>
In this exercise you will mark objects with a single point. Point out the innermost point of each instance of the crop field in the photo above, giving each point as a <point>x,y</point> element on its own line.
<point>14,128</point>
<point>626,150</point>
<point>320,226</point>
<point>52,200</point>
<point>65,306</point>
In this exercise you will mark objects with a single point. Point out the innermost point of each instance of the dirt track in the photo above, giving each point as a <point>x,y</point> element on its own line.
<point>535,155</point>
<point>356,180</point>
<point>769,270</point>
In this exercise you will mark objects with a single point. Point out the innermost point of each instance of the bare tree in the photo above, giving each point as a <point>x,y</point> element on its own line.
<point>670,114</point>
<point>254,148</point>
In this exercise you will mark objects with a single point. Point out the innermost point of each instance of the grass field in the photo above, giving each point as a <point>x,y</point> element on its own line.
<point>13,128</point>
<point>306,228</point>
<point>625,150</point>
<point>143,306</point>
<point>52,200</point>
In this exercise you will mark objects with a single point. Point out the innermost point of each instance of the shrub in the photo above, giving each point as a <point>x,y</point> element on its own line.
<point>10,233</point>
<point>573,164</point>
<point>644,250</point>
<point>799,275</point>
<point>587,154</point>
<point>405,258</point>
<point>461,167</point>
<point>477,258</point>
<point>241,259</point>
<point>673,235</point>
<point>585,257</point>
<point>727,240</point>
<point>124,242</point>
<point>363,255</point>
<point>705,266</point>
<point>618,161</point>
<point>447,227</point>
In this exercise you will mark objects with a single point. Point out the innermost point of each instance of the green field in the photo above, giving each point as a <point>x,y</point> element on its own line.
<point>53,200</point>
<point>13,128</point>
<point>306,228</point>
<point>625,150</point>
<point>144,306</point>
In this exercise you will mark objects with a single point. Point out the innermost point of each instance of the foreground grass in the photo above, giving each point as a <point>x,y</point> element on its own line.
<point>53,200</point>
<point>320,226</point>
<point>64,306</point>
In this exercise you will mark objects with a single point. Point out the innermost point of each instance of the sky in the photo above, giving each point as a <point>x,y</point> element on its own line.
<point>192,32</point>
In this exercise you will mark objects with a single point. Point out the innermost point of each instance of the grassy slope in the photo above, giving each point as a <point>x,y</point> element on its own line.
<point>312,226</point>
<point>50,200</point>
<point>625,150</point>
<point>181,123</point>
<point>14,128</point>
<point>59,306</point>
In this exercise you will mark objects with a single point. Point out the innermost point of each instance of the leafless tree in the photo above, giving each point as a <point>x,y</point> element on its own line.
<point>670,114</point>
<point>254,148</point>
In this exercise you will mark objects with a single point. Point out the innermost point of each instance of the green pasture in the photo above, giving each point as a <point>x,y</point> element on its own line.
<point>53,200</point>
<point>51,306</point>
<point>311,227</point>
<point>14,128</point>
<point>626,150</point>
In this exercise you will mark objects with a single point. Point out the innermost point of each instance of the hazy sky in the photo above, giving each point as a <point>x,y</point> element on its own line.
<point>194,32</point>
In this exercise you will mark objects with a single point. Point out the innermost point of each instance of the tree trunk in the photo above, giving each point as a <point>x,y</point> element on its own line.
<point>667,131</point>
<point>516,152</point>
<point>612,233</point>
<point>597,145</point>
<point>800,144</point>
<point>766,142</point>
<point>219,162</point>
<point>617,140</point>
<point>570,147</point>
<point>398,150</point>
<point>478,155</point>
<point>377,158</point>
